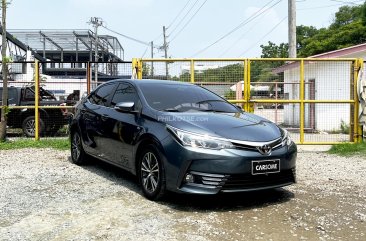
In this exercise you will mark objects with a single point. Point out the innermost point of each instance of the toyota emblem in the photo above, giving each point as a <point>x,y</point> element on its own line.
<point>265,150</point>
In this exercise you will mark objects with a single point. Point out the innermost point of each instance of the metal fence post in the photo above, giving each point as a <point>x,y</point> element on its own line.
<point>302,104</point>
<point>36,100</point>
<point>134,68</point>
<point>360,129</point>
<point>139,68</point>
<point>192,71</point>
<point>357,136</point>
<point>88,76</point>
<point>245,80</point>
<point>250,106</point>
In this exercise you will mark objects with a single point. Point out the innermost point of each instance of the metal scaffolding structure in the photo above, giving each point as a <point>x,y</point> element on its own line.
<point>17,50</point>
<point>70,45</point>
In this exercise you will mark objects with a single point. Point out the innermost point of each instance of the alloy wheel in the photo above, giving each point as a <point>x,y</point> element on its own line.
<point>30,127</point>
<point>150,172</point>
<point>76,146</point>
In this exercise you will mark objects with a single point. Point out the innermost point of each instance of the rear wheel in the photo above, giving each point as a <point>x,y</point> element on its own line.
<point>29,126</point>
<point>78,155</point>
<point>151,173</point>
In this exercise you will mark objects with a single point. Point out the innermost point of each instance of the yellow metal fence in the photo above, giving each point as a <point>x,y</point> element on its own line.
<point>314,99</point>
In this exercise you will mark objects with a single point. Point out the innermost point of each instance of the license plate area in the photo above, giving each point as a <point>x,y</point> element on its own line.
<point>265,166</point>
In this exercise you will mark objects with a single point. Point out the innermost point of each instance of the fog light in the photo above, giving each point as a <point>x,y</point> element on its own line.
<point>189,178</point>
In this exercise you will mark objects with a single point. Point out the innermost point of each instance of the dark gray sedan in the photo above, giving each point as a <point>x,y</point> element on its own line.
<point>181,137</point>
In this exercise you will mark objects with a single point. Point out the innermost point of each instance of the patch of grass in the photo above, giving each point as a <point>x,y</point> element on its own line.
<point>348,149</point>
<point>56,143</point>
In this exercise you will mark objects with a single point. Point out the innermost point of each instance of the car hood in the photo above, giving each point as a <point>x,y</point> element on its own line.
<point>235,126</point>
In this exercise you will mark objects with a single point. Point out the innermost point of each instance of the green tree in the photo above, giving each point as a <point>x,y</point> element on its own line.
<point>303,33</point>
<point>363,14</point>
<point>348,28</point>
<point>272,50</point>
<point>346,15</point>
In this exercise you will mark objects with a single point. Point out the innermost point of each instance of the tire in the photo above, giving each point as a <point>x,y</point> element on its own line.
<point>151,173</point>
<point>78,155</point>
<point>29,126</point>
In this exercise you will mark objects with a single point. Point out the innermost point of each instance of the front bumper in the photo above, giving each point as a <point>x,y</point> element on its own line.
<point>207,183</point>
<point>214,171</point>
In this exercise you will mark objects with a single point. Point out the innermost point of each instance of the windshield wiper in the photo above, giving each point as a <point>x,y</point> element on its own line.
<point>171,110</point>
<point>213,110</point>
<point>208,101</point>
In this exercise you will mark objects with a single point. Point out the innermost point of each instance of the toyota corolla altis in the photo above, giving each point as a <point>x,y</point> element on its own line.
<point>180,137</point>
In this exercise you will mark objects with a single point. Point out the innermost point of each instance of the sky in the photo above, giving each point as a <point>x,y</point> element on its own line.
<point>195,28</point>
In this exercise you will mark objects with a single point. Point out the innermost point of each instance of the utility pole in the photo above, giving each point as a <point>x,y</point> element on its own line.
<point>292,29</point>
<point>96,22</point>
<point>165,53</point>
<point>152,56</point>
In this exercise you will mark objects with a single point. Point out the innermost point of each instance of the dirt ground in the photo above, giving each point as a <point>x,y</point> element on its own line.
<point>45,197</point>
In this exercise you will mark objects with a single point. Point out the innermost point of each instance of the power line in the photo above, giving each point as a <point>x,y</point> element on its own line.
<point>325,6</point>
<point>157,37</point>
<point>130,38</point>
<point>243,23</point>
<point>143,55</point>
<point>180,12</point>
<point>179,23</point>
<point>188,21</point>
<point>349,2</point>
<point>268,33</point>
<point>246,32</point>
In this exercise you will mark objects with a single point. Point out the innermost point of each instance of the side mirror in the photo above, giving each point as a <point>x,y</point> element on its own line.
<point>125,106</point>
<point>239,108</point>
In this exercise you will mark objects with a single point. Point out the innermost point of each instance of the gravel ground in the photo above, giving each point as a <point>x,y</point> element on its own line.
<point>45,197</point>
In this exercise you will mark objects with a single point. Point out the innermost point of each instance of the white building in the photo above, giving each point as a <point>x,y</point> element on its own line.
<point>324,80</point>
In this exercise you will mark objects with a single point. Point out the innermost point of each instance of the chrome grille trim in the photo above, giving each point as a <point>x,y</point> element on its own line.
<point>252,146</point>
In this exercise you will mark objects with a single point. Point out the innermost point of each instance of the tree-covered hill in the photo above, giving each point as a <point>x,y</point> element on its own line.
<point>348,28</point>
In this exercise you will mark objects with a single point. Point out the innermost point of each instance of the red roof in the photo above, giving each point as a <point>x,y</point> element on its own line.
<point>342,52</point>
<point>332,54</point>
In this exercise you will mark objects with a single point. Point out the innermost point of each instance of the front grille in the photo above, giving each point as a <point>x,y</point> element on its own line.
<point>238,182</point>
<point>235,182</point>
<point>245,147</point>
<point>253,147</point>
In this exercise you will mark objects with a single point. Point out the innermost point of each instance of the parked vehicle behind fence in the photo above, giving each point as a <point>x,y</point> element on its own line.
<point>51,120</point>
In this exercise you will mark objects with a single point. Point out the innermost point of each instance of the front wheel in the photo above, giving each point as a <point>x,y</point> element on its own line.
<point>78,155</point>
<point>151,173</point>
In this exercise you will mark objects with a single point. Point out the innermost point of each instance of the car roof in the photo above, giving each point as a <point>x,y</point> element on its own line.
<point>150,81</point>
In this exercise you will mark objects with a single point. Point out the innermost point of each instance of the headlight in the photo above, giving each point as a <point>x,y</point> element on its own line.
<point>286,139</point>
<point>200,141</point>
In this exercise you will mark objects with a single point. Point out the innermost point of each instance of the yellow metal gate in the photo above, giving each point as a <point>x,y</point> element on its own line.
<point>314,99</point>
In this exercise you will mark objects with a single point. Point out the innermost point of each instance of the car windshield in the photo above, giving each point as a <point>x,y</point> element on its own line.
<point>184,98</point>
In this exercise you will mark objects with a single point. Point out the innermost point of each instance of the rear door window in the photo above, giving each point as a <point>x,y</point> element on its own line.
<point>102,95</point>
<point>29,95</point>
